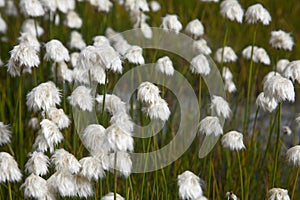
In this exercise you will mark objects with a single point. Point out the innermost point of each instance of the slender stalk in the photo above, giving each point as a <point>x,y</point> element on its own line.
<point>20,127</point>
<point>9,191</point>
<point>200,94</point>
<point>295,183</point>
<point>254,125</point>
<point>246,115</point>
<point>115,177</point>
<point>241,175</point>
<point>131,188</point>
<point>209,177</point>
<point>224,44</point>
<point>277,151</point>
<point>104,95</point>
<point>272,124</point>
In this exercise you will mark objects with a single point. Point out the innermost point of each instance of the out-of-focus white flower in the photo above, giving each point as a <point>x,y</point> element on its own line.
<point>158,110</point>
<point>49,5</point>
<point>210,1</point>
<point>100,40</point>
<point>82,97</point>
<point>148,92</point>
<point>189,186</point>
<point>56,51</point>
<point>171,23</point>
<point>123,163</point>
<point>292,71</point>
<point>231,196</point>
<point>195,28</point>
<point>94,139</point>
<point>200,65</point>
<point>64,160</point>
<point>228,55</point>
<point>113,104</point>
<point>62,72</point>
<point>165,66</point>
<point>287,130</point>
<point>201,47</point>
<point>270,75</point>
<point>210,125</point>
<point>32,8</point>
<point>59,117</point>
<point>3,26</point>
<point>135,55</point>
<point>102,5</point>
<point>280,88</point>
<point>136,5</point>
<point>51,133</point>
<point>76,41</point>
<point>74,57</point>
<point>110,196</point>
<point>257,13</point>
<point>146,30</point>
<point>30,40</point>
<point>2,3</point>
<point>9,170</point>
<point>262,56</point>
<point>278,194</point>
<point>266,103</point>
<point>22,57</point>
<point>154,5</point>
<point>28,26</point>
<point>281,40</point>
<point>232,10</point>
<point>73,20</point>
<point>37,163</point>
<point>118,139</point>
<point>43,96</point>
<point>226,73</point>
<point>281,65</point>
<point>293,155</point>
<point>5,134</point>
<point>34,123</point>
<point>35,187</point>
<point>93,167</point>
<point>233,140</point>
<point>65,5</point>
<point>11,9</point>
<point>229,86</point>
<point>220,106</point>
<point>40,143</point>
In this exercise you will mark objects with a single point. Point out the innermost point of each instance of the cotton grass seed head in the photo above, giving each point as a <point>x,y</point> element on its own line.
<point>232,10</point>
<point>189,186</point>
<point>220,107</point>
<point>292,71</point>
<point>5,134</point>
<point>113,104</point>
<point>119,139</point>
<point>59,117</point>
<point>280,88</point>
<point>123,163</point>
<point>229,55</point>
<point>82,98</point>
<point>231,196</point>
<point>134,54</point>
<point>200,46</point>
<point>281,65</point>
<point>95,139</point>
<point>93,167</point>
<point>123,120</point>
<point>233,140</point>
<point>210,125</point>
<point>64,160</point>
<point>9,170</point>
<point>32,8</point>
<point>257,13</point>
<point>37,163</point>
<point>226,73</point>
<point>200,65</point>
<point>43,97</point>
<point>164,65</point>
<point>56,51</point>
<point>76,41</point>
<point>158,110</point>
<point>64,183</point>
<point>194,28</point>
<point>230,86</point>
<point>171,23</point>
<point>293,155</point>
<point>73,20</point>
<point>278,194</point>
<point>266,103</point>
<point>148,92</point>
<point>281,40</point>
<point>154,6</point>
<point>51,133</point>
<point>84,187</point>
<point>287,130</point>
<point>35,187</point>
<point>28,26</point>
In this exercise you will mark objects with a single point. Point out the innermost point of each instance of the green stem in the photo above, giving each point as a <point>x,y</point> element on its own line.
<point>200,94</point>
<point>131,188</point>
<point>21,137</point>
<point>254,125</point>
<point>104,95</point>
<point>246,115</point>
<point>277,151</point>
<point>241,175</point>
<point>224,44</point>
<point>209,177</point>
<point>295,183</point>
<point>9,191</point>
<point>272,124</point>
<point>115,177</point>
